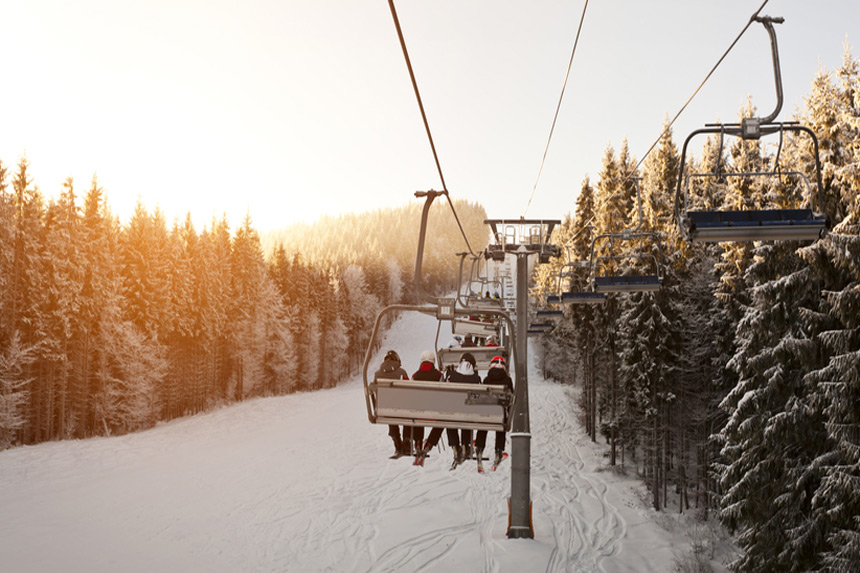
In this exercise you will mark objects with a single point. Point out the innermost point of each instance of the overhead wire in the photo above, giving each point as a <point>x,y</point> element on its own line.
<point>424,117</point>
<point>558,107</point>
<point>677,115</point>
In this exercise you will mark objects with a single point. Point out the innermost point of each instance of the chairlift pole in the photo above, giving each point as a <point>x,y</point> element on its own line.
<point>521,244</point>
<point>520,510</point>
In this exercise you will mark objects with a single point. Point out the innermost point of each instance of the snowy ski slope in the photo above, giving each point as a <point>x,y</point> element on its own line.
<point>303,483</point>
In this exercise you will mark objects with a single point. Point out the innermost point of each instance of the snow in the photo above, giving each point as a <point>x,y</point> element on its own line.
<point>303,483</point>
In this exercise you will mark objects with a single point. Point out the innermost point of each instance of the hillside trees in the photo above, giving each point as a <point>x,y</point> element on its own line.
<point>739,379</point>
<point>108,328</point>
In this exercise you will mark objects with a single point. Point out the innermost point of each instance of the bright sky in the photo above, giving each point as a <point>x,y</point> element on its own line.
<point>289,110</point>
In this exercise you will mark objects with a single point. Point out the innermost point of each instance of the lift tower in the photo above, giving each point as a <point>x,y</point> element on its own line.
<point>521,238</point>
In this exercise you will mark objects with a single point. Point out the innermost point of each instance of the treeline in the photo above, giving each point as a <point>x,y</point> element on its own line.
<point>108,328</point>
<point>735,389</point>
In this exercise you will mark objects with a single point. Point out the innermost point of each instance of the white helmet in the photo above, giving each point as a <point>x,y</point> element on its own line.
<point>428,356</point>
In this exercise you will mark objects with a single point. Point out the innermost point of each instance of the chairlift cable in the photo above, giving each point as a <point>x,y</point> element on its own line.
<point>424,117</point>
<point>456,218</point>
<point>690,99</point>
<point>701,85</point>
<point>417,93</point>
<point>558,108</point>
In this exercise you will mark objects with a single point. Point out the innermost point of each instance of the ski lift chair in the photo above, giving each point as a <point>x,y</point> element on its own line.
<point>628,283</point>
<point>436,404</point>
<point>575,296</point>
<point>804,223</point>
<point>549,313</point>
<point>611,283</point>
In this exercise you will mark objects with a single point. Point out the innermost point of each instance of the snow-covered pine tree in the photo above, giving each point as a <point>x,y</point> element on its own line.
<point>248,311</point>
<point>219,323</point>
<point>14,359</point>
<point>832,111</point>
<point>129,367</point>
<point>63,272</point>
<point>772,436</point>
<point>649,343</point>
<point>337,343</point>
<point>99,237</point>
<point>361,308</point>
<point>27,287</point>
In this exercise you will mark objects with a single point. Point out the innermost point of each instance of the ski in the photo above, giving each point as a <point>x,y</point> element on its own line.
<point>454,465</point>
<point>398,456</point>
<point>504,457</point>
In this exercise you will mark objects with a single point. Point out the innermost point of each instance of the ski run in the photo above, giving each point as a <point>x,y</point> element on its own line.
<point>304,483</point>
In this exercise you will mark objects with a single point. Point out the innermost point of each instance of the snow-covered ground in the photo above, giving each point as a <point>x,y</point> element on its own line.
<point>304,483</point>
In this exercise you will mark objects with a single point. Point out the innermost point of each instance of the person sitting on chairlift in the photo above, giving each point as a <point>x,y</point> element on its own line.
<point>426,371</point>
<point>469,342</point>
<point>491,341</point>
<point>498,376</point>
<point>391,370</point>
<point>466,372</point>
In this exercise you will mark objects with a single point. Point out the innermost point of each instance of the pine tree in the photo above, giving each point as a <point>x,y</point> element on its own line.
<point>61,301</point>
<point>14,360</point>
<point>832,113</point>
<point>248,311</point>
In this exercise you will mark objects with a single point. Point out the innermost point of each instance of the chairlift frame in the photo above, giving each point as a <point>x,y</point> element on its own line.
<point>626,283</point>
<point>753,224</point>
<point>571,296</point>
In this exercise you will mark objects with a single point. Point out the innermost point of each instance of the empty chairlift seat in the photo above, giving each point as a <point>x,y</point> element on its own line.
<point>755,225</point>
<point>544,313</point>
<point>628,283</point>
<point>583,297</point>
<point>477,328</point>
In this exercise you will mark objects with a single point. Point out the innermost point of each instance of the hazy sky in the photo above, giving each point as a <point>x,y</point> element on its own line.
<point>289,110</point>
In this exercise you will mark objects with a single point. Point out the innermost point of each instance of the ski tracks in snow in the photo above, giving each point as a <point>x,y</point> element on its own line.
<point>586,526</point>
<point>406,518</point>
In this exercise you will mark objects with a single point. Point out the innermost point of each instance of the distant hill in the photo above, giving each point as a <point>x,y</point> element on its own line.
<point>384,234</point>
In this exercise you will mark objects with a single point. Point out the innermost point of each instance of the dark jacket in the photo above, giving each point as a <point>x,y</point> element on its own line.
<point>427,372</point>
<point>498,377</point>
<point>391,370</point>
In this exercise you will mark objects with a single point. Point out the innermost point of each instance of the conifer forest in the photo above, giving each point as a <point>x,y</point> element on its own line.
<point>733,391</point>
<point>108,328</point>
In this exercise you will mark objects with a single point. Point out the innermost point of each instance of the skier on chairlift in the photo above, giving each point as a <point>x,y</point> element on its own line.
<point>466,372</point>
<point>497,376</point>
<point>391,370</point>
<point>426,371</point>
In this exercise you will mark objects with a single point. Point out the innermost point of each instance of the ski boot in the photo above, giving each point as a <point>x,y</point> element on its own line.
<point>458,458</point>
<point>479,454</point>
<point>398,447</point>
<point>421,451</point>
